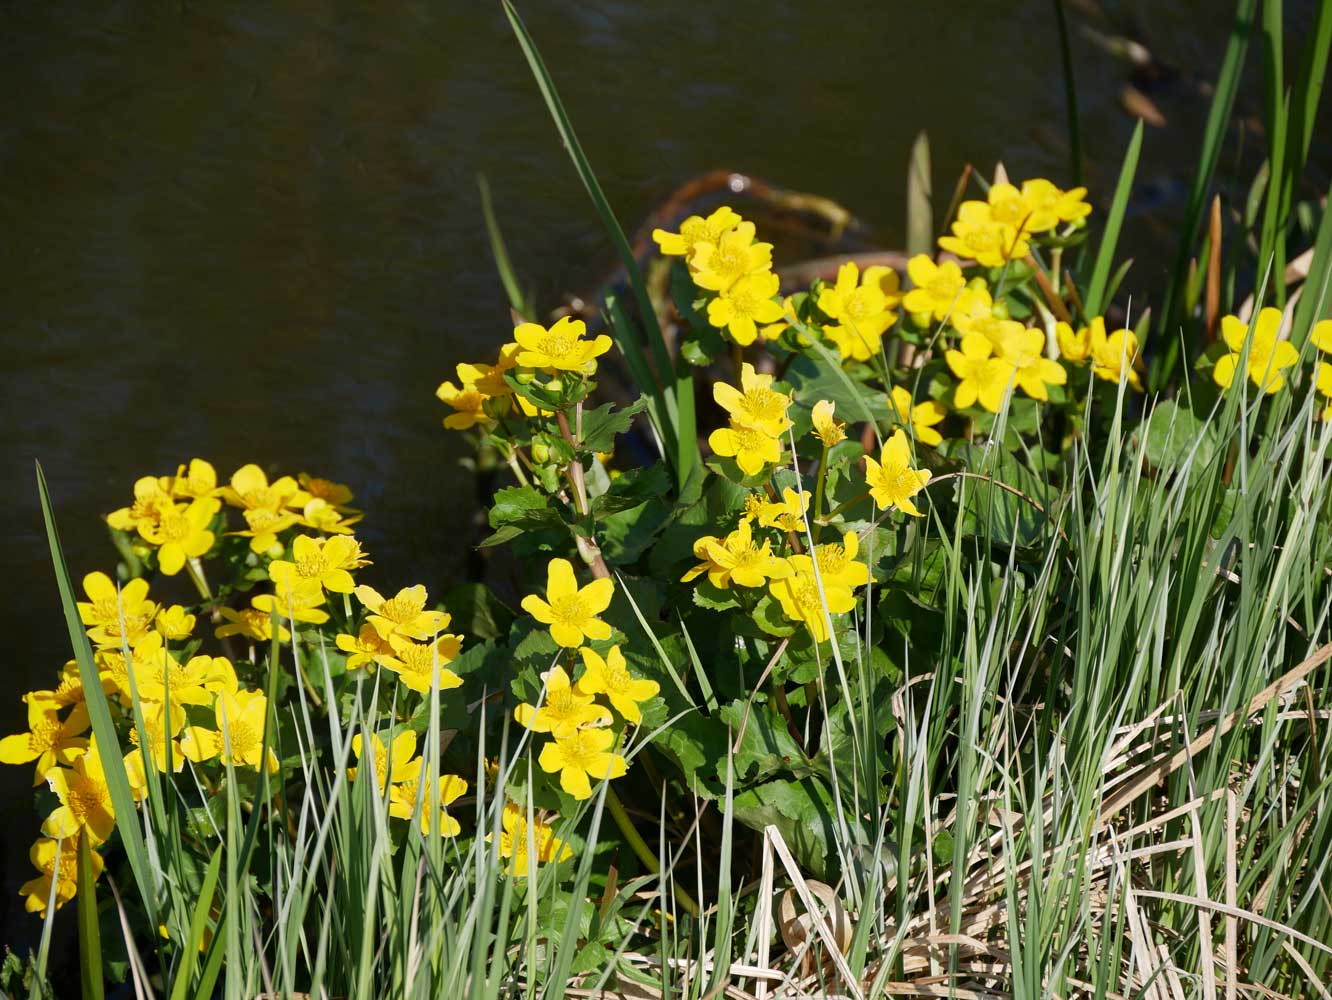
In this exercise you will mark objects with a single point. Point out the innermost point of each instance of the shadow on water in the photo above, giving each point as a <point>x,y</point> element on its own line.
<point>253,234</point>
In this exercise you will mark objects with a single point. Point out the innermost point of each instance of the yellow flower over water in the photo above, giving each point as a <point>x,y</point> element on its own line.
<point>891,480</point>
<point>50,740</point>
<point>802,601</point>
<point>415,663</point>
<point>58,863</point>
<point>326,561</point>
<point>1074,345</point>
<point>315,488</point>
<point>694,230</point>
<point>1047,205</point>
<point>366,648</point>
<point>1268,355</point>
<point>978,236</point>
<point>181,533</point>
<point>302,601</point>
<point>744,304</point>
<point>1115,357</point>
<point>468,404</point>
<point>240,717</point>
<point>1024,349</point>
<point>151,500</point>
<point>580,757</point>
<point>250,490</point>
<point>106,608</point>
<point>253,624</point>
<point>570,611</point>
<point>610,676</point>
<point>751,448</point>
<point>564,709</point>
<point>321,515</point>
<point>191,482</point>
<point>826,429</point>
<point>787,514</point>
<point>923,417</point>
<point>718,264</point>
<point>737,559</point>
<point>513,842</point>
<point>560,348</point>
<point>262,527</point>
<point>981,376</point>
<point>838,565</point>
<point>403,614</point>
<point>937,286</point>
<point>755,404</point>
<point>85,799</point>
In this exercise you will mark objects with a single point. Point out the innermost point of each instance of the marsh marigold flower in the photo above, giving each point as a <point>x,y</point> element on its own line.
<point>786,514</point>
<point>891,479</point>
<point>415,663</point>
<point>326,561</point>
<point>564,709</point>
<point>826,429</point>
<point>610,676</point>
<point>981,376</point>
<point>191,482</point>
<point>581,756</point>
<point>434,799</point>
<point>49,741</point>
<point>752,449</point>
<point>85,799</point>
<point>1268,355</point>
<point>1074,345</point>
<point>694,230</point>
<point>838,565</point>
<point>107,607</point>
<point>468,404</point>
<point>1114,356</point>
<point>560,348</point>
<point>241,717</point>
<point>570,611</point>
<point>365,648</point>
<point>181,533</point>
<point>802,600</point>
<point>747,302</point>
<point>717,265</point>
<point>922,417</point>
<point>253,624</point>
<point>402,614</point>
<point>1321,336</point>
<point>978,236</point>
<point>151,500</point>
<point>861,309</point>
<point>300,601</point>
<point>937,286</point>
<point>513,842</point>
<point>57,861</point>
<point>174,624</point>
<point>1024,349</point>
<point>755,403</point>
<point>391,760</point>
<point>737,559</point>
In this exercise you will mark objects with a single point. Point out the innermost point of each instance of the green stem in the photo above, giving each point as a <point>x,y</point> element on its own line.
<point>854,500</point>
<point>641,849</point>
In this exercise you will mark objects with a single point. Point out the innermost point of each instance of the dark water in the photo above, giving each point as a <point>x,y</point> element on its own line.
<point>251,232</point>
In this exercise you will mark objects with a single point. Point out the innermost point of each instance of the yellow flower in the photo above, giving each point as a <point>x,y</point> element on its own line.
<point>193,683</point>
<point>564,710</point>
<point>415,663</point>
<point>1268,356</point>
<point>745,303</point>
<point>799,596</point>
<point>513,843</point>
<point>1074,346</point>
<point>1114,357</point>
<point>981,377</point>
<point>327,561</point>
<point>937,286</point>
<point>751,448</point>
<point>611,677</point>
<point>250,489</point>
<point>719,264</point>
<point>106,608</point>
<point>192,482</point>
<point>1324,385</point>
<point>838,565</point>
<point>978,236</point>
<point>778,327</point>
<point>860,308</point>
<point>788,514</point>
<point>162,724</point>
<point>314,488</point>
<point>366,648</point>
<point>174,623</point>
<point>694,230</point>
<point>1048,205</point>
<point>240,717</point>
<point>571,612</point>
<point>1024,349</point>
<point>68,691</point>
<point>581,756</point>
<point>891,480</point>
<point>921,416</point>
<point>403,614</point>
<point>561,348</point>
<point>262,527</point>
<point>114,671</point>
<point>85,799</point>
<point>49,740</point>
<point>151,499</point>
<point>181,533</point>
<point>58,863</point>
<point>755,404</point>
<point>1321,336</point>
<point>468,403</point>
<point>826,429</point>
<point>435,796</point>
<point>737,558</point>
<point>321,515</point>
<point>392,762</point>
<point>301,602</point>
<point>255,625</point>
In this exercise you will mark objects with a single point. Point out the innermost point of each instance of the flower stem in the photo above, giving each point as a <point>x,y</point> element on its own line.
<point>642,850</point>
<point>837,510</point>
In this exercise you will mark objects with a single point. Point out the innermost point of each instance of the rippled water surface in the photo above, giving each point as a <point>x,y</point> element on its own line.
<point>251,232</point>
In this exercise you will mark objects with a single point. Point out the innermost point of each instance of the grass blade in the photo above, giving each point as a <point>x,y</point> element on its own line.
<point>1105,254</point>
<point>517,301</point>
<point>1070,94</point>
<point>919,210</point>
<point>90,935</point>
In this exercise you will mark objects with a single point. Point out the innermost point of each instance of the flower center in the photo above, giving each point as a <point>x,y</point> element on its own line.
<point>401,610</point>
<point>940,287</point>
<point>557,345</point>
<point>174,527</point>
<point>84,799</point>
<point>310,568</point>
<point>44,735</point>
<point>570,610</point>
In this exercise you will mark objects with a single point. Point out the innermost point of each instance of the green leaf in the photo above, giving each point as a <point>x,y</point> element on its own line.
<point>90,939</point>
<point>1172,432</point>
<point>601,425</point>
<point>770,617</point>
<point>996,512</point>
<point>1094,300</point>
<point>815,378</point>
<point>478,611</point>
<point>766,746</point>
<point>803,813</point>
